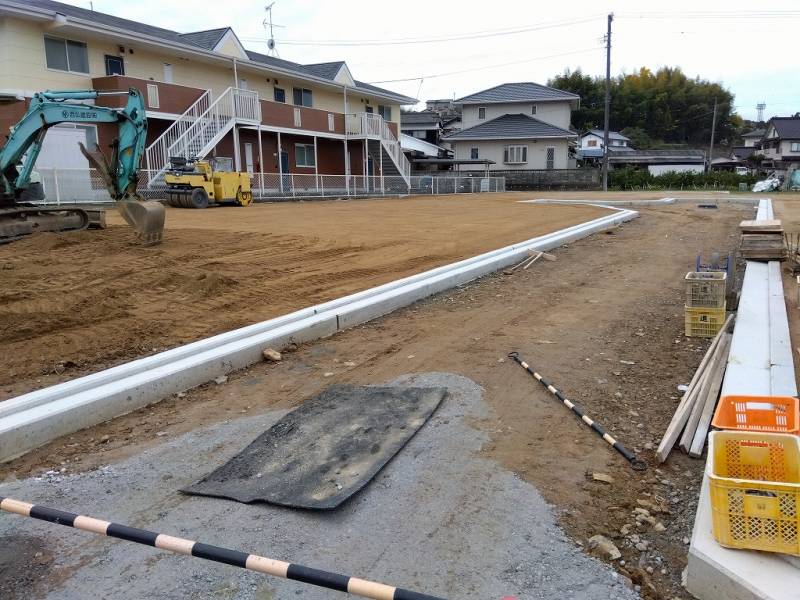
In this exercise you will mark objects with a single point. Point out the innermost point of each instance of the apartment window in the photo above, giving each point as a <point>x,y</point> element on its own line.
<point>473,153</point>
<point>515,155</point>
<point>279,95</point>
<point>331,122</point>
<point>591,143</point>
<point>551,158</point>
<point>385,112</point>
<point>482,112</point>
<point>302,97</point>
<point>304,155</point>
<point>167,73</point>
<point>243,84</point>
<point>66,55</point>
<point>533,109</point>
<point>114,65</point>
<point>152,95</point>
<point>795,147</point>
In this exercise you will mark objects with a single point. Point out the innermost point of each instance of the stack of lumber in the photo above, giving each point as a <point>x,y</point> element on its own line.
<point>692,419</point>
<point>762,240</point>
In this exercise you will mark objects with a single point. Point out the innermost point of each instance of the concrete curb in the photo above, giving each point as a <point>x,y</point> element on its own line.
<point>760,363</point>
<point>33,419</point>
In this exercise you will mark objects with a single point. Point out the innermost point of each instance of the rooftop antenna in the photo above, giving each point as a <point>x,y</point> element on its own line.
<point>271,49</point>
<point>760,108</point>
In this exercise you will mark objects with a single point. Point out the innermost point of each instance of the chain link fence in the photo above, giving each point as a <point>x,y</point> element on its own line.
<point>85,186</point>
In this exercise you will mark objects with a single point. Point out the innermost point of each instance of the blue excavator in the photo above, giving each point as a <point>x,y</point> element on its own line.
<point>19,217</point>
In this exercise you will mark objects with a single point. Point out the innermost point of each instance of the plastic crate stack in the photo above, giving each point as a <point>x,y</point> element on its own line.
<point>705,303</point>
<point>754,473</point>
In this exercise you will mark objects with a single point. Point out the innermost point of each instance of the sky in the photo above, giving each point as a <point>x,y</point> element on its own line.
<point>750,50</point>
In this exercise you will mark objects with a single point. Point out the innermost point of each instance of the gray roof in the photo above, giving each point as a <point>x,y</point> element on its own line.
<point>205,40</point>
<point>612,135</point>
<point>327,70</point>
<point>517,92</point>
<point>756,133</point>
<point>743,152</point>
<point>656,157</point>
<point>507,127</point>
<point>420,118</point>
<point>788,128</point>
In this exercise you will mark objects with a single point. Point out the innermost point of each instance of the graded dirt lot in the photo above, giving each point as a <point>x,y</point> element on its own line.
<point>604,323</point>
<point>74,303</point>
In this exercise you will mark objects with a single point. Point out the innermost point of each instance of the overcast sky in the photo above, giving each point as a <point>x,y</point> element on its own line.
<point>752,51</point>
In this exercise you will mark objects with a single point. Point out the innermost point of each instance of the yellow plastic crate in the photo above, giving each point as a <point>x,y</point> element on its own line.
<point>754,481</point>
<point>704,322</point>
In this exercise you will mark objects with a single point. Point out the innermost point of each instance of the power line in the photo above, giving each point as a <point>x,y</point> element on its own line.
<point>437,39</point>
<point>707,14</point>
<point>495,66</point>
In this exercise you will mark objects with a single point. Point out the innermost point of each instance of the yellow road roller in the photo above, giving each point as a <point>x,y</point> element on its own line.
<point>193,183</point>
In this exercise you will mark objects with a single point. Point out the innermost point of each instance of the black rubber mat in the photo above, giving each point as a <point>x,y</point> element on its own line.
<point>326,450</point>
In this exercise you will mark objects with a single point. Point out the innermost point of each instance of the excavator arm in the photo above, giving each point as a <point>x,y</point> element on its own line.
<point>18,157</point>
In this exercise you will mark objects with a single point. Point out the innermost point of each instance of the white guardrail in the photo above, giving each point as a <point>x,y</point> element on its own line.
<point>85,186</point>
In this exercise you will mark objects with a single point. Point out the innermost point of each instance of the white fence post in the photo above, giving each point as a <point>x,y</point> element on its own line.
<point>55,183</point>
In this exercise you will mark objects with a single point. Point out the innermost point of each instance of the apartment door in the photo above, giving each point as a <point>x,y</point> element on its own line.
<point>248,157</point>
<point>286,183</point>
<point>115,65</point>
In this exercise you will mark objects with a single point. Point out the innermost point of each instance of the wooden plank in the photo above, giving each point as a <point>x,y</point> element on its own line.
<point>693,416</point>
<point>710,401</point>
<point>762,226</point>
<point>681,413</point>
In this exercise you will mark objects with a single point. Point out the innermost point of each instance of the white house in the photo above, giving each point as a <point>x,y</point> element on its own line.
<point>594,139</point>
<point>752,138</point>
<point>519,126</point>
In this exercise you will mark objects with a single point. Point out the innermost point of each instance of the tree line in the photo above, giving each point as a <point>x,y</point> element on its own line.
<point>654,109</point>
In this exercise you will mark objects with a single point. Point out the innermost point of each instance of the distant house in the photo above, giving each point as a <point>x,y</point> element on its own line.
<point>425,125</point>
<point>781,143</point>
<point>593,140</point>
<point>752,138</point>
<point>519,126</point>
<point>660,161</point>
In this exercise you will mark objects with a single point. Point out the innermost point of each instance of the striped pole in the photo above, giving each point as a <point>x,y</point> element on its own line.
<point>636,464</point>
<point>252,562</point>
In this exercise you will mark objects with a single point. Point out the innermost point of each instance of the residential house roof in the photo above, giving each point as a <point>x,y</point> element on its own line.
<point>526,91</point>
<point>411,144</point>
<point>656,157</point>
<point>207,39</point>
<point>743,152</point>
<point>511,127</point>
<point>756,133</point>
<point>612,135</point>
<point>204,41</point>
<point>421,119</point>
<point>787,128</point>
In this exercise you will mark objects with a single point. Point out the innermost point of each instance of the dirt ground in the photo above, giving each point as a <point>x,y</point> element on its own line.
<point>604,323</point>
<point>74,303</point>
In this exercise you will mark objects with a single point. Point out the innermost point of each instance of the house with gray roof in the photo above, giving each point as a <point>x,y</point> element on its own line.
<point>519,126</point>
<point>271,115</point>
<point>780,144</point>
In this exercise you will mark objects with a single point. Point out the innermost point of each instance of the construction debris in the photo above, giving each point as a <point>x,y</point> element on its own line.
<point>605,547</point>
<point>693,416</point>
<point>272,355</point>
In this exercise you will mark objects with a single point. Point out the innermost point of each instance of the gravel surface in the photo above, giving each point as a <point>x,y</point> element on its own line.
<point>439,519</point>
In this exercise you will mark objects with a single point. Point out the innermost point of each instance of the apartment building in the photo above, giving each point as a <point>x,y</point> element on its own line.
<point>205,93</point>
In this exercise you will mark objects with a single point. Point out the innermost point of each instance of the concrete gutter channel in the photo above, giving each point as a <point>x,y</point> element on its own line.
<point>33,419</point>
<point>760,363</point>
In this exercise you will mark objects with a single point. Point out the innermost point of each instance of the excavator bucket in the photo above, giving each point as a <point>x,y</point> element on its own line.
<point>146,217</point>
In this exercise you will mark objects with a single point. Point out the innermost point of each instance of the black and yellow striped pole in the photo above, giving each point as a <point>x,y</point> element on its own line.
<point>636,464</point>
<point>252,562</point>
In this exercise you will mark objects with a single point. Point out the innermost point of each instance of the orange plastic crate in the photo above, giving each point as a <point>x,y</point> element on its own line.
<point>774,414</point>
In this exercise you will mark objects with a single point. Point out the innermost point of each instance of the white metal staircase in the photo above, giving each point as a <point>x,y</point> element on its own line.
<point>373,127</point>
<point>201,127</point>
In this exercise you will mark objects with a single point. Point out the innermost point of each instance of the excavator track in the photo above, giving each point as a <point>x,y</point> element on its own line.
<point>22,220</point>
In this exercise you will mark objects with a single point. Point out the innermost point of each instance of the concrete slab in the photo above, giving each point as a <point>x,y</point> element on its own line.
<point>760,363</point>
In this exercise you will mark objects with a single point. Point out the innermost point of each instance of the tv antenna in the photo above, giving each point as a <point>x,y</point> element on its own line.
<point>268,24</point>
<point>760,108</point>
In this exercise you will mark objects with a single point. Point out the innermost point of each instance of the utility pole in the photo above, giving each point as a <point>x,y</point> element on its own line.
<point>608,103</point>
<point>713,128</point>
